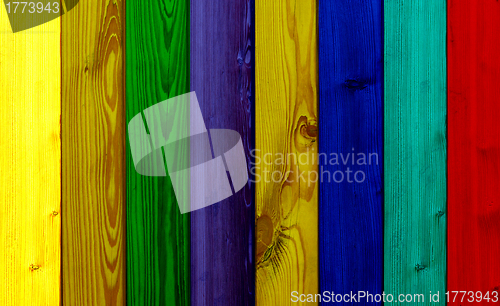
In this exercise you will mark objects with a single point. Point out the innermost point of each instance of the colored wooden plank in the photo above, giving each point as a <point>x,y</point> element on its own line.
<point>474,150</point>
<point>415,147</point>
<point>286,255</point>
<point>158,239</point>
<point>351,116</point>
<point>93,154</point>
<point>222,265</point>
<point>30,164</point>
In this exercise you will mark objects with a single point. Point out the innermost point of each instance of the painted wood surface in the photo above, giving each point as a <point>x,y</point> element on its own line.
<point>286,125</point>
<point>415,147</point>
<point>30,164</point>
<point>222,235</point>
<point>93,154</point>
<point>474,149</point>
<point>351,117</point>
<point>158,239</point>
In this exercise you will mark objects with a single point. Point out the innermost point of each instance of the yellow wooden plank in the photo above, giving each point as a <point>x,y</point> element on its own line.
<point>93,151</point>
<point>30,145</point>
<point>286,123</point>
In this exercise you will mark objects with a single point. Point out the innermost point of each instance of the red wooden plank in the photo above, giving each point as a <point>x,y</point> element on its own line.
<point>474,149</point>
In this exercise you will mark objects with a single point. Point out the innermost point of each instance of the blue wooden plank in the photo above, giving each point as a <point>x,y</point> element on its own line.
<point>351,122</point>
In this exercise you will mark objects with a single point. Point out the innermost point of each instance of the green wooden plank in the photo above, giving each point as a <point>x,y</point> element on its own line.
<point>157,68</point>
<point>415,148</point>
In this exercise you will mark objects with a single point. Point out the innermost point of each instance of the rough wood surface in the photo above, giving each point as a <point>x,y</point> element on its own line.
<point>30,164</point>
<point>222,235</point>
<point>415,147</point>
<point>93,148</point>
<point>158,239</point>
<point>474,149</point>
<point>286,123</point>
<point>351,123</point>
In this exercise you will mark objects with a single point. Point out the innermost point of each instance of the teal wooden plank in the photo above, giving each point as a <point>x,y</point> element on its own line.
<point>415,148</point>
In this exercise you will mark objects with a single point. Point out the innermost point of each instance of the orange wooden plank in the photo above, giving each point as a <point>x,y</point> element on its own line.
<point>93,154</point>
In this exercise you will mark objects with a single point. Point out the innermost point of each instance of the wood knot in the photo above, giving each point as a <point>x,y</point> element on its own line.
<point>309,129</point>
<point>265,232</point>
<point>34,267</point>
<point>420,267</point>
<point>55,213</point>
<point>312,131</point>
<point>354,84</point>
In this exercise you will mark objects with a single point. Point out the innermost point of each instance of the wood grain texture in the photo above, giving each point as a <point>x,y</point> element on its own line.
<point>222,69</point>
<point>30,164</point>
<point>158,239</point>
<point>93,154</point>
<point>415,147</point>
<point>474,148</point>
<point>351,117</point>
<point>286,123</point>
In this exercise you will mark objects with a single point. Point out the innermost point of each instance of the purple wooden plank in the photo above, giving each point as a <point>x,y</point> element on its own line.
<point>222,267</point>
